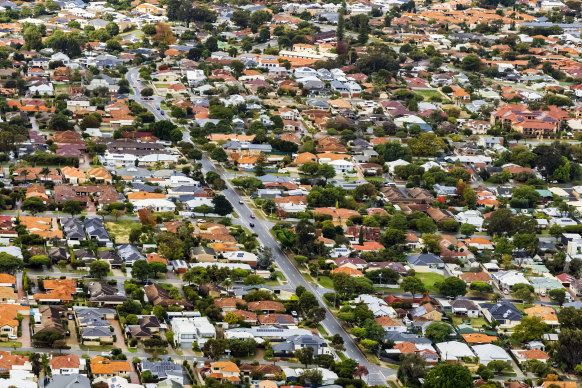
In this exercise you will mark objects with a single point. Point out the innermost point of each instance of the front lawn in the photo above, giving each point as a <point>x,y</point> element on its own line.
<point>325,281</point>
<point>429,279</point>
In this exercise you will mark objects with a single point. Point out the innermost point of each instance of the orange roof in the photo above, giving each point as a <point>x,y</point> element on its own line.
<point>544,312</point>
<point>347,271</point>
<point>534,354</point>
<point>478,240</point>
<point>336,213</point>
<point>66,361</point>
<point>99,173</point>
<point>479,338</point>
<point>138,195</point>
<point>72,172</point>
<point>223,137</point>
<point>226,366</point>
<point>103,366</point>
<point>332,156</point>
<point>9,312</point>
<point>248,160</point>
<point>7,278</point>
<point>406,347</point>
<point>155,257</point>
<point>305,157</point>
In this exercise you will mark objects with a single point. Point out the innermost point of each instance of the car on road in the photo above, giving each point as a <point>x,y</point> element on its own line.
<point>252,225</point>
<point>200,221</point>
<point>253,216</point>
<point>241,202</point>
<point>163,113</point>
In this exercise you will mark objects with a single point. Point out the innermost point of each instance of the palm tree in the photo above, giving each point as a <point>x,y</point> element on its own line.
<point>227,283</point>
<point>45,171</point>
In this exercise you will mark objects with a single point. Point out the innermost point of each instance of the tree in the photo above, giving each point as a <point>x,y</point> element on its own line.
<point>413,285</point>
<point>157,267</point>
<point>140,270</point>
<point>530,329</point>
<point>39,261</point>
<point>260,164</point>
<point>467,230</point>
<point>214,349</point>
<point>146,217</point>
<point>222,206</point>
<point>219,154</point>
<point>33,205</point>
<point>312,376</point>
<point>326,171</point>
<point>448,376</point>
<point>558,295</point>
<point>498,365</point>
<point>305,355</point>
<point>484,372</point>
<point>340,25</point>
<point>438,332</point>
<point>427,144</point>
<point>307,301</point>
<point>452,286</point>
<point>412,368</point>
<point>360,371</point>
<point>73,207</point>
<point>471,63</point>
<point>499,222</point>
<point>10,264</point>
<point>99,269</point>
<point>524,294</point>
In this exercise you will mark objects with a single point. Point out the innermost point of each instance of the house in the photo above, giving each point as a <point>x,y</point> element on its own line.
<point>478,338</point>
<point>505,313</point>
<point>157,295</point>
<point>424,262</point>
<point>277,319</point>
<point>391,324</point>
<point>68,364</point>
<point>523,355</point>
<point>223,371</point>
<point>229,304</point>
<point>490,352</point>
<point>426,311</point>
<point>465,307</point>
<point>203,254</point>
<point>96,230</point>
<point>347,270</point>
<point>103,294</point>
<point>266,306</point>
<point>545,313</point>
<point>290,345</point>
<point>378,306</point>
<point>507,279</point>
<point>192,330</point>
<point>66,381</point>
<point>163,369</point>
<point>454,351</point>
<point>103,367</point>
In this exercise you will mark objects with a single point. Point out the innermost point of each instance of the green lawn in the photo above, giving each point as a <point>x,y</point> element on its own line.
<point>429,279</point>
<point>375,179</point>
<point>280,276</point>
<point>427,94</point>
<point>11,344</point>
<point>322,330</point>
<point>478,322</point>
<point>326,282</point>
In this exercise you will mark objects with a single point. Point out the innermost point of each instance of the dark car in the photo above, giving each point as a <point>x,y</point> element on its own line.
<point>252,225</point>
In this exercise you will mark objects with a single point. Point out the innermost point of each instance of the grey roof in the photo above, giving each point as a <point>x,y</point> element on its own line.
<point>503,311</point>
<point>73,228</point>
<point>95,228</point>
<point>161,369</point>
<point>96,332</point>
<point>129,253</point>
<point>302,340</point>
<point>424,259</point>
<point>406,337</point>
<point>66,381</point>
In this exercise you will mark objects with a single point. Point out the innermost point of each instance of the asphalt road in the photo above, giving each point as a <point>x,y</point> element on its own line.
<point>377,375</point>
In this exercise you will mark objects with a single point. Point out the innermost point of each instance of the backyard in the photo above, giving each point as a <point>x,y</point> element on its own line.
<point>429,279</point>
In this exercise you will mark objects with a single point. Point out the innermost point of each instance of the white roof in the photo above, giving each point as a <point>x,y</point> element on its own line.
<point>454,350</point>
<point>490,352</point>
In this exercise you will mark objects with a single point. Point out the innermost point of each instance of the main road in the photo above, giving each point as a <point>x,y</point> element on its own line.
<point>377,374</point>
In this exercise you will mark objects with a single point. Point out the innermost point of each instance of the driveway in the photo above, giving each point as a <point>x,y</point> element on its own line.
<point>25,338</point>
<point>118,334</point>
<point>133,375</point>
<point>72,340</point>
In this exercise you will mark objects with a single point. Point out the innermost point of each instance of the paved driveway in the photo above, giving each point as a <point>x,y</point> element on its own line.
<point>25,338</point>
<point>118,334</point>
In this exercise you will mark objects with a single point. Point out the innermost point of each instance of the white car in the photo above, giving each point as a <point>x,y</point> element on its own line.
<point>12,336</point>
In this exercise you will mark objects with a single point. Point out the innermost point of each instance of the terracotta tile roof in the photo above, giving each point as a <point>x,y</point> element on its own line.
<point>347,270</point>
<point>479,338</point>
<point>229,302</point>
<point>66,361</point>
<point>266,305</point>
<point>103,366</point>
<point>138,195</point>
<point>470,277</point>
<point>7,278</point>
<point>406,347</point>
<point>99,173</point>
<point>226,366</point>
